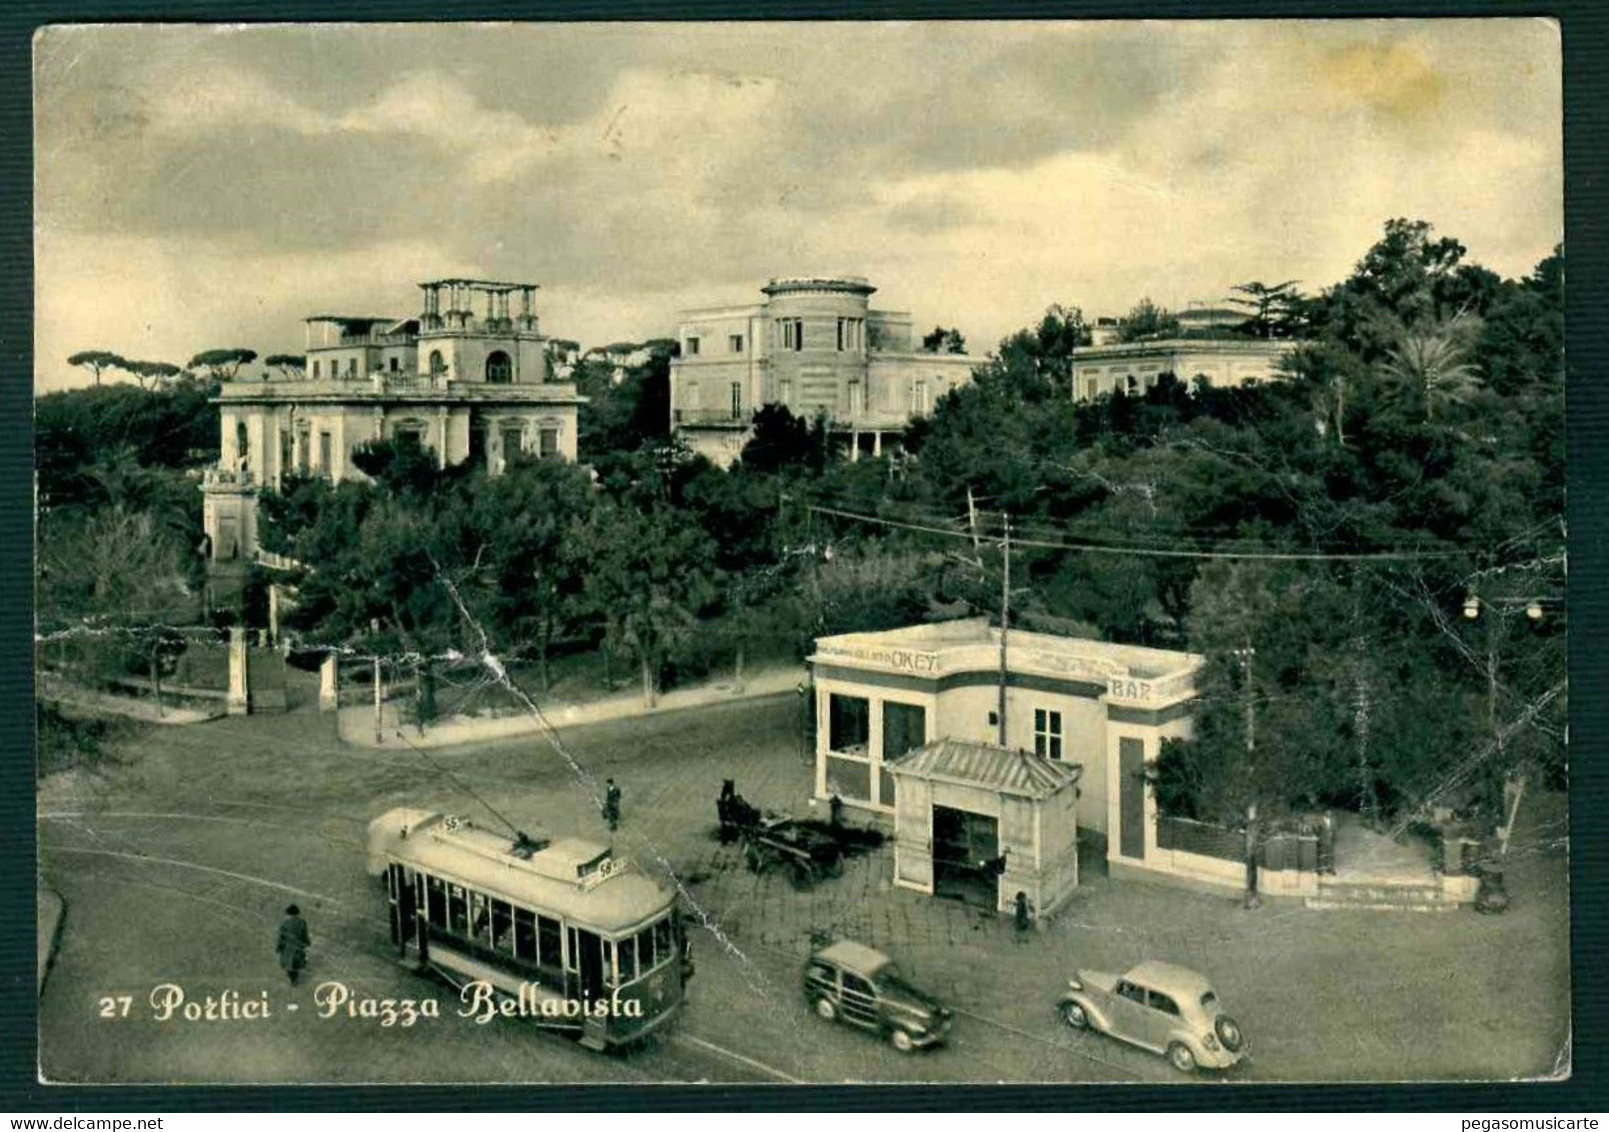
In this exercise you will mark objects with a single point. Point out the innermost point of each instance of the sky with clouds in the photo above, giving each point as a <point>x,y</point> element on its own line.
<point>201,187</point>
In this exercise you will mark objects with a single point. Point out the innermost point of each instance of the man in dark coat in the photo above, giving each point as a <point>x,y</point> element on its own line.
<point>611,804</point>
<point>293,943</point>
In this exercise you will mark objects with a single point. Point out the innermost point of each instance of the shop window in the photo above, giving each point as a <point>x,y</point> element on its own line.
<point>850,779</point>
<point>848,724</point>
<point>904,729</point>
<point>1047,734</point>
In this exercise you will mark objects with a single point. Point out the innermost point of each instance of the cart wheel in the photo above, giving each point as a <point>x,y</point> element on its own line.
<point>801,878</point>
<point>835,865</point>
<point>752,858</point>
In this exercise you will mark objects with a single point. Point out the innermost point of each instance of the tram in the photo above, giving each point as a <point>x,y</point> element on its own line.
<point>560,932</point>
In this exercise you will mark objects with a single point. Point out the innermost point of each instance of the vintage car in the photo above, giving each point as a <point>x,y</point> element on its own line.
<point>1162,1007</point>
<point>850,982</point>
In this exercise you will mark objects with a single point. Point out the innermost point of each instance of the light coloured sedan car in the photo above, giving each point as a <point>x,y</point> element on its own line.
<point>1160,1007</point>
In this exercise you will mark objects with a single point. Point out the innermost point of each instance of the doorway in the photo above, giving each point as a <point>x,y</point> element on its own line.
<point>586,958</point>
<point>965,848</point>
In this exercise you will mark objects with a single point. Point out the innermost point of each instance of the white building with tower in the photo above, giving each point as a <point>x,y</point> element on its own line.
<point>468,378</point>
<point>816,346</point>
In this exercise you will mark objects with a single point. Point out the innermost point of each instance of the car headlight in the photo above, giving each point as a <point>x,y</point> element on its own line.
<point>1211,1043</point>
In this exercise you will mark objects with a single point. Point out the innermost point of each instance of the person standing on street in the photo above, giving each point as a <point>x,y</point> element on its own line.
<point>611,805</point>
<point>293,943</point>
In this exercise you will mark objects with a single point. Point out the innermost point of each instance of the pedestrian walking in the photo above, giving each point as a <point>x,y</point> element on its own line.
<point>1023,920</point>
<point>611,804</point>
<point>293,943</point>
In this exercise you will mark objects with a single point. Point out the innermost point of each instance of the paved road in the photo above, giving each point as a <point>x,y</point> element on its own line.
<point>176,866</point>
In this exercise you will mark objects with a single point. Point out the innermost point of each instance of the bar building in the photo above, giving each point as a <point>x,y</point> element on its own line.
<point>816,346</point>
<point>1083,718</point>
<point>470,377</point>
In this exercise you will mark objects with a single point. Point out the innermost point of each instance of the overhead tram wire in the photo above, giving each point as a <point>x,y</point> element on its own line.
<point>1159,552</point>
<point>462,785</point>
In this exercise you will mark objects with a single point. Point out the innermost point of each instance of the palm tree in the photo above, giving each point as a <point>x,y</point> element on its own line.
<point>1432,358</point>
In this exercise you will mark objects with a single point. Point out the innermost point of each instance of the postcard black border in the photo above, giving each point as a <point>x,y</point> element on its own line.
<point>1585,36</point>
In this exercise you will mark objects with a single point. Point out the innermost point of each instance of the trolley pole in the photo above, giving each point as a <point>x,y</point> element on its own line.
<point>1005,622</point>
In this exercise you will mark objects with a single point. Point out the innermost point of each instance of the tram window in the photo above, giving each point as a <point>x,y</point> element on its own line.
<point>662,938</point>
<point>646,957</point>
<point>547,938</point>
<point>457,910</point>
<point>480,920</point>
<point>626,958</point>
<point>524,934</point>
<point>436,901</point>
<point>502,938</point>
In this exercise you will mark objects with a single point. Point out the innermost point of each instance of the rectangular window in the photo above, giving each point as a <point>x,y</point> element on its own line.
<point>1092,389</point>
<point>315,370</point>
<point>436,902</point>
<point>502,921</point>
<point>547,440</point>
<point>662,938</point>
<point>457,910</point>
<point>626,958</point>
<point>785,391</point>
<point>849,724</point>
<point>395,367</point>
<point>647,960</point>
<point>351,367</point>
<point>736,342</point>
<point>843,327</point>
<point>692,347</point>
<point>287,450</point>
<point>525,935</point>
<point>904,729</point>
<point>547,940</point>
<point>798,334</point>
<point>302,454</point>
<point>511,443</point>
<point>919,398</point>
<point>737,401</point>
<point>480,918</point>
<point>325,453</point>
<point>1047,733</point>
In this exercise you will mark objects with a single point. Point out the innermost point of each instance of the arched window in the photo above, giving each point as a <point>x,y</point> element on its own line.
<point>499,368</point>
<point>437,365</point>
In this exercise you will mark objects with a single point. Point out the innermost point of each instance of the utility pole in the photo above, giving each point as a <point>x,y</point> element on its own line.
<point>378,697</point>
<point>1246,654</point>
<point>972,519</point>
<point>1005,619</point>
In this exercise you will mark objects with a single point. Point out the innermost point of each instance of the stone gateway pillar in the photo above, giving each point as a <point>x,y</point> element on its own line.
<point>239,689</point>
<point>328,690</point>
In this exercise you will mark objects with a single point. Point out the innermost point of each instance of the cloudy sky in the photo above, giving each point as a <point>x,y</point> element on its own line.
<point>203,187</point>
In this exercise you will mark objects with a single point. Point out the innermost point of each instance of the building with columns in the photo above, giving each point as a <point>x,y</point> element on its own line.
<point>816,346</point>
<point>470,377</point>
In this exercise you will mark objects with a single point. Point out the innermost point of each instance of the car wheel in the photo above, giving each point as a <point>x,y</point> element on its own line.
<point>1181,1057</point>
<point>901,1040</point>
<point>826,1009</point>
<point>1075,1015</point>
